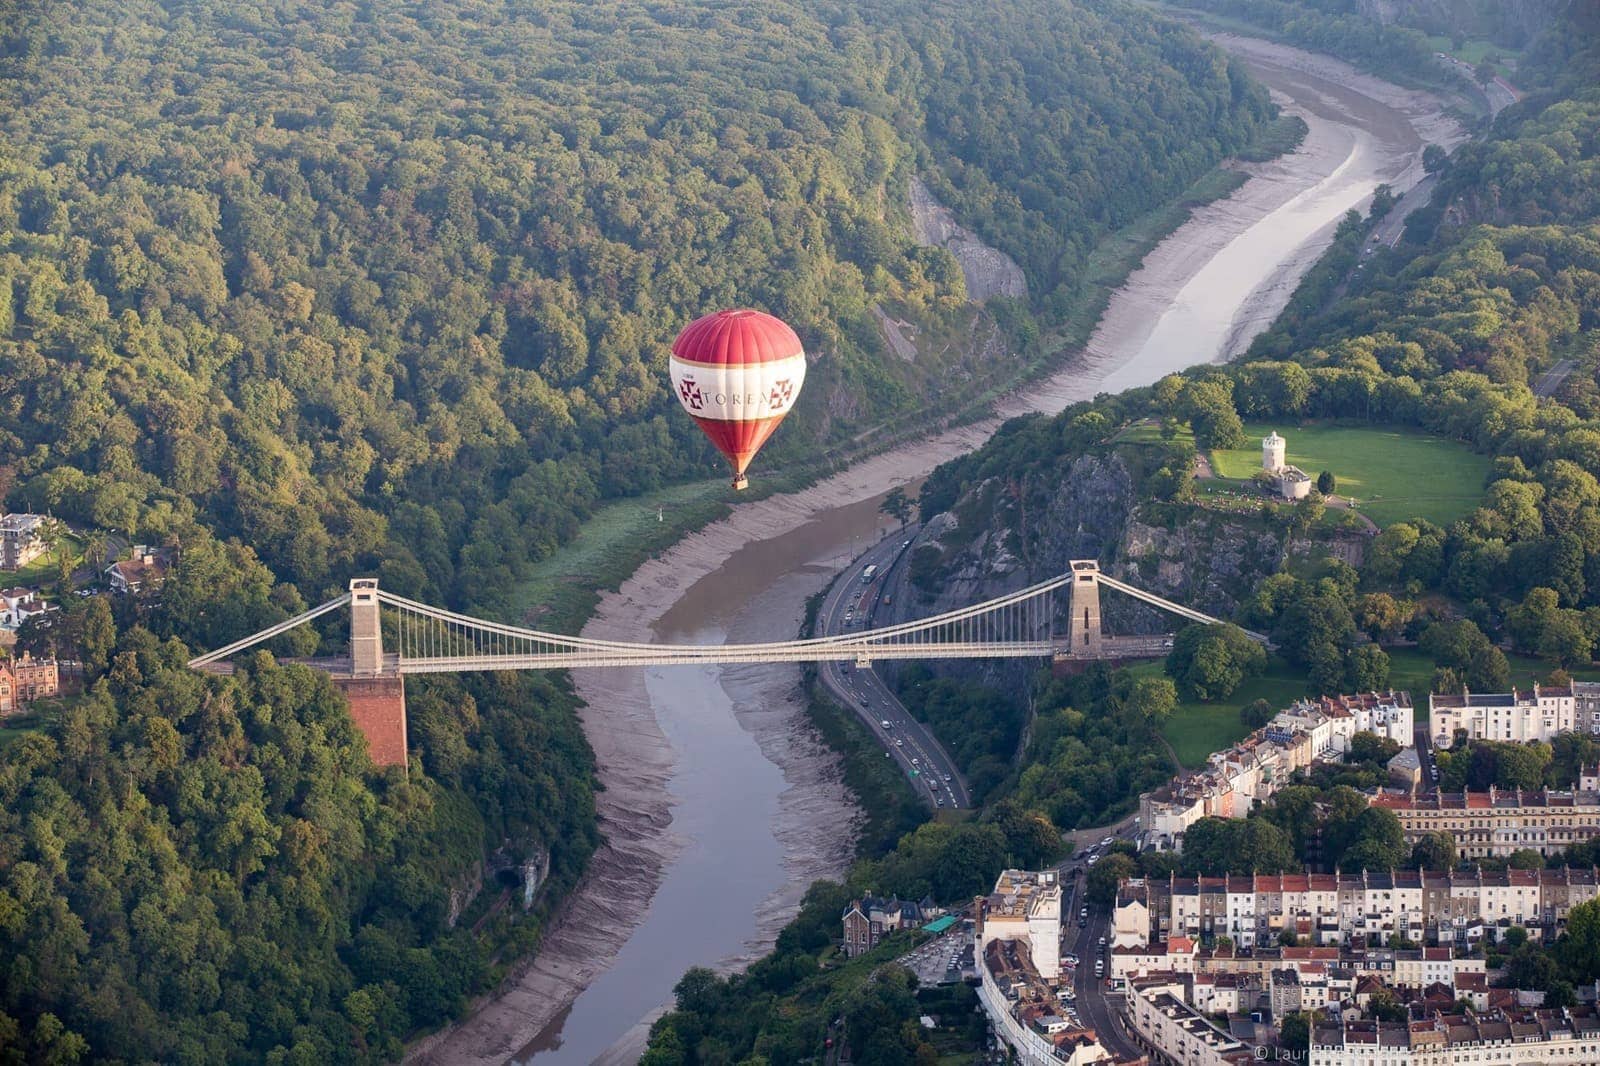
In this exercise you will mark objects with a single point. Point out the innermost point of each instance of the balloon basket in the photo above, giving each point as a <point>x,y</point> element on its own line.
<point>740,483</point>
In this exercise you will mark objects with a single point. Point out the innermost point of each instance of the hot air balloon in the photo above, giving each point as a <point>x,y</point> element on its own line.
<point>737,373</point>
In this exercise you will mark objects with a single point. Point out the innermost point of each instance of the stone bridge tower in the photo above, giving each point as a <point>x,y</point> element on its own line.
<point>1085,638</point>
<point>377,696</point>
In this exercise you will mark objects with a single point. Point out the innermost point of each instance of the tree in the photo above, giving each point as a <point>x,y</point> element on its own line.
<point>1434,159</point>
<point>1383,1006</point>
<point>97,635</point>
<point>1208,662</point>
<point>1372,840</point>
<point>1530,966</point>
<point>1209,406</point>
<point>896,505</point>
<point>1380,616</point>
<point>1367,668</point>
<point>1434,851</point>
<point>1525,859</point>
<point>1370,748</point>
<point>1101,884</point>
<point>1383,201</point>
<point>1215,846</point>
<point>1579,946</point>
<point>1327,484</point>
<point>1255,714</point>
<point>1294,1033</point>
<point>1153,699</point>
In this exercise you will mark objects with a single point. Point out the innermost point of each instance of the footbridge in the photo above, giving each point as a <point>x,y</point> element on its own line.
<point>392,636</point>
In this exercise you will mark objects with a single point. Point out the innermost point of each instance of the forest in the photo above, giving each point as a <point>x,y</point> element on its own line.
<point>305,291</point>
<point>1494,284</point>
<point>375,288</point>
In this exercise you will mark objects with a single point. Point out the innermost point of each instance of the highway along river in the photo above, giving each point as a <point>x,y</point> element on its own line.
<point>720,806</point>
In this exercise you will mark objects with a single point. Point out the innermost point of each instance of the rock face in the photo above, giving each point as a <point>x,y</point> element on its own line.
<point>1001,537</point>
<point>988,271</point>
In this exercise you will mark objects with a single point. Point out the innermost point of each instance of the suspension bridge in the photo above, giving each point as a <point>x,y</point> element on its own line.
<point>392,636</point>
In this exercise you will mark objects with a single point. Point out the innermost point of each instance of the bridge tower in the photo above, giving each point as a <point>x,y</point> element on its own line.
<point>377,698</point>
<point>1085,638</point>
<point>366,636</point>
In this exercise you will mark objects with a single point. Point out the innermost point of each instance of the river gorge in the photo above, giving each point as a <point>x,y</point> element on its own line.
<point>720,804</point>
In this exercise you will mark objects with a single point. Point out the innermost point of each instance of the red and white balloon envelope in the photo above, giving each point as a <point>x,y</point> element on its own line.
<point>737,373</point>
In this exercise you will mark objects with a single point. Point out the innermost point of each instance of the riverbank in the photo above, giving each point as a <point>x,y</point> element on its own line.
<point>765,557</point>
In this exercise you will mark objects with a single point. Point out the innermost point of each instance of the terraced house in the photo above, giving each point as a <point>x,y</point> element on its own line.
<point>1493,1038</point>
<point>1329,909</point>
<point>1237,778</point>
<point>1498,822</point>
<point>1519,715</point>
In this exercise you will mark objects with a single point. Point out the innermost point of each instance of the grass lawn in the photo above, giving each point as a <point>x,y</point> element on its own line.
<point>611,545</point>
<point>18,726</point>
<point>1471,51</point>
<point>1195,730</point>
<point>42,571</point>
<point>1393,474</point>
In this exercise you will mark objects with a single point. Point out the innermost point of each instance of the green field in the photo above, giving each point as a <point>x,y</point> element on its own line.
<point>1195,730</point>
<point>1393,475</point>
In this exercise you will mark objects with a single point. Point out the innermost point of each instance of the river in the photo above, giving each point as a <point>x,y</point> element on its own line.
<point>720,805</point>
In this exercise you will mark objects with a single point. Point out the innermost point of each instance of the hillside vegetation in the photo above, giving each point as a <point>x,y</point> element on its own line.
<point>348,280</point>
<point>303,291</point>
<point>1445,335</point>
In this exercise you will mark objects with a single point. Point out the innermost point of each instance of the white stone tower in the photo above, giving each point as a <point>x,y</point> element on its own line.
<point>1272,452</point>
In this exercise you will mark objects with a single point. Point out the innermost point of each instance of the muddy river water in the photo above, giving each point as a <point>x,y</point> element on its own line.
<point>720,805</point>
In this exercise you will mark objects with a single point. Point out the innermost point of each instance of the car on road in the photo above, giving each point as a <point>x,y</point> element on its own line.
<point>1102,943</point>
<point>899,743</point>
<point>1099,967</point>
<point>865,702</point>
<point>1083,912</point>
<point>1106,843</point>
<point>1071,957</point>
<point>939,801</point>
<point>887,724</point>
<point>947,779</point>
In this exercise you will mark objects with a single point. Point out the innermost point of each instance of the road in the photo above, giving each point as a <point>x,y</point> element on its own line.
<point>1499,94</point>
<point>848,606</point>
<point>1554,378</point>
<point>1095,1009</point>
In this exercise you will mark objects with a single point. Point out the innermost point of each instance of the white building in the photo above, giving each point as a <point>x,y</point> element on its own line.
<point>1293,483</point>
<point>1158,1008</point>
<point>21,540</point>
<point>1493,1038</point>
<point>1542,714</point>
<point>1025,906</point>
<point>1237,778</point>
<point>19,605</point>
<point>1026,1014</point>
<point>1455,907</point>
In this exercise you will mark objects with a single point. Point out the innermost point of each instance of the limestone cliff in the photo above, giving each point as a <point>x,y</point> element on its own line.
<point>1002,536</point>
